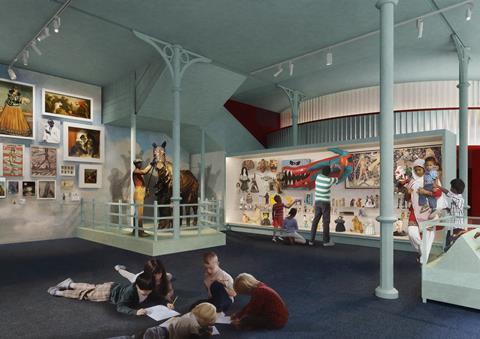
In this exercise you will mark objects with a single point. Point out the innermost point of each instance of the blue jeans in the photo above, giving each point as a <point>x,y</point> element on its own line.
<point>220,298</point>
<point>322,209</point>
<point>425,199</point>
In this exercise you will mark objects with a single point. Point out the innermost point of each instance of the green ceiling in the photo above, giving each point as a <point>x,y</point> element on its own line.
<point>96,46</point>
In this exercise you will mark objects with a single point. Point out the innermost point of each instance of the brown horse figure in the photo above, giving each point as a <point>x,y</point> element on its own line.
<point>164,187</point>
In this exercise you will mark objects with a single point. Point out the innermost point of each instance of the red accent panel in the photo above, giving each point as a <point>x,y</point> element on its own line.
<point>259,122</point>
<point>474,180</point>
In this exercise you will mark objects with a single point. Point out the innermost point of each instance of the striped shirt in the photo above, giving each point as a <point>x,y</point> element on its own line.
<point>456,207</point>
<point>322,187</point>
<point>277,210</point>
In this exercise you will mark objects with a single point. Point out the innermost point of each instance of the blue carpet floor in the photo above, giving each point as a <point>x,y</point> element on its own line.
<point>329,291</point>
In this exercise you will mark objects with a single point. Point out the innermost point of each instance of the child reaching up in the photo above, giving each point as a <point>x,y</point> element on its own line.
<point>277,215</point>
<point>266,308</point>
<point>126,297</point>
<point>219,284</point>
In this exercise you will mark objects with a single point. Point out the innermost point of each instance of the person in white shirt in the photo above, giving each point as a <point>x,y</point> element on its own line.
<point>51,132</point>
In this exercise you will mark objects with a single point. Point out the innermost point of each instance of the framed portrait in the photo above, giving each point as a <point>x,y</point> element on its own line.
<point>17,105</point>
<point>67,185</point>
<point>43,161</point>
<point>83,143</point>
<point>46,189</point>
<point>29,188</point>
<point>50,131</point>
<point>366,170</point>
<point>12,160</point>
<point>66,105</point>
<point>67,170</point>
<point>13,187</point>
<point>90,176</point>
<point>3,188</point>
<point>75,196</point>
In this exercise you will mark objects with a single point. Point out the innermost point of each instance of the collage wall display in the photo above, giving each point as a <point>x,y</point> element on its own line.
<point>81,143</point>
<point>354,204</point>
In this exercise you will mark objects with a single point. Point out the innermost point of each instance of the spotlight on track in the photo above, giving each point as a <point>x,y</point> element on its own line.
<point>280,70</point>
<point>35,48</point>
<point>56,24</point>
<point>329,58</point>
<point>25,56</point>
<point>468,14</point>
<point>419,28</point>
<point>11,73</point>
<point>45,34</point>
<point>290,67</point>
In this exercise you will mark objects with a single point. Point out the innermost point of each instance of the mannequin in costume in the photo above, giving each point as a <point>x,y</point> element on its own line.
<point>139,192</point>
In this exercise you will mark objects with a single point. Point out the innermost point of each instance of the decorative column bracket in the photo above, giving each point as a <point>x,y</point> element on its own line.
<point>295,98</point>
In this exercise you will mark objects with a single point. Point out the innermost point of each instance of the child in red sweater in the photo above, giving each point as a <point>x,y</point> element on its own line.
<point>266,308</point>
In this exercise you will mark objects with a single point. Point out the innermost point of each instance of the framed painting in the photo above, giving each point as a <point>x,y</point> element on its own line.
<point>404,157</point>
<point>83,143</point>
<point>67,170</point>
<point>366,170</point>
<point>90,176</point>
<point>43,161</point>
<point>3,188</point>
<point>29,188</point>
<point>66,105</point>
<point>50,131</point>
<point>67,185</point>
<point>12,160</point>
<point>46,189</point>
<point>13,187</point>
<point>17,105</point>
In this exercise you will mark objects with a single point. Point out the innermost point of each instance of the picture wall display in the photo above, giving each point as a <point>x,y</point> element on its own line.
<point>90,176</point>
<point>83,143</point>
<point>43,161</point>
<point>66,105</point>
<point>17,104</point>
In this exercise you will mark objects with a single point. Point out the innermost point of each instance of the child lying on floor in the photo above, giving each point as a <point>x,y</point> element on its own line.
<point>126,297</point>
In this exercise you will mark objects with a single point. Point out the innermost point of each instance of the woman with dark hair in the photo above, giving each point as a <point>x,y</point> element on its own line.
<point>162,292</point>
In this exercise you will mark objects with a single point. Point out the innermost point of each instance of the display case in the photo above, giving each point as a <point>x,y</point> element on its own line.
<point>254,179</point>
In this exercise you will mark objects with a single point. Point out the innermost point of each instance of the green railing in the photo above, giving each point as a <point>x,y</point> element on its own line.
<point>121,218</point>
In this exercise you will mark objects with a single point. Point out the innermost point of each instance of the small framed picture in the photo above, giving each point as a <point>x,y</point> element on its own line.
<point>75,196</point>
<point>46,189</point>
<point>90,176</point>
<point>50,131</point>
<point>3,188</point>
<point>29,188</point>
<point>13,187</point>
<point>67,185</point>
<point>67,170</point>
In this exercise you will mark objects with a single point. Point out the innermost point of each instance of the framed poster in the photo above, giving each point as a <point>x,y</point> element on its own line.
<point>46,189</point>
<point>3,188</point>
<point>13,187</point>
<point>366,170</point>
<point>83,143</point>
<point>67,170</point>
<point>50,131</point>
<point>90,176</point>
<point>12,160</point>
<point>17,105</point>
<point>67,185</point>
<point>29,188</point>
<point>66,105</point>
<point>43,161</point>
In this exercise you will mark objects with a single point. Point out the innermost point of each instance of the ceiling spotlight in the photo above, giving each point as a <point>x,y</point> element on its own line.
<point>420,28</point>
<point>11,73</point>
<point>329,58</point>
<point>35,48</point>
<point>56,24</point>
<point>280,70</point>
<point>25,56</point>
<point>290,67</point>
<point>468,15</point>
<point>45,34</point>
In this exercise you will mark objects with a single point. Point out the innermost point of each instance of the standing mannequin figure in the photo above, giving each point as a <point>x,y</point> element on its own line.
<point>139,192</point>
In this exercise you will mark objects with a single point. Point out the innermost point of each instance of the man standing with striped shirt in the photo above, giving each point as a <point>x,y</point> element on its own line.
<point>323,183</point>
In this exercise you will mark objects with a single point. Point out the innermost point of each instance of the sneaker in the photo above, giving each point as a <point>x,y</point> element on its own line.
<point>310,243</point>
<point>280,238</point>
<point>274,239</point>
<point>53,290</point>
<point>328,244</point>
<point>64,285</point>
<point>120,267</point>
<point>169,276</point>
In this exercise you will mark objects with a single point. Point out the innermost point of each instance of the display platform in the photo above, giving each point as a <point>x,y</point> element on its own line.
<point>189,240</point>
<point>253,180</point>
<point>454,277</point>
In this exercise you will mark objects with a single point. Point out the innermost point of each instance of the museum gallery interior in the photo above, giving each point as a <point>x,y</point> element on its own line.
<point>240,169</point>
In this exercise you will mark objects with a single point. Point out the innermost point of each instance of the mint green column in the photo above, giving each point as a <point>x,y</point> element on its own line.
<point>295,98</point>
<point>202,168</point>
<point>386,289</point>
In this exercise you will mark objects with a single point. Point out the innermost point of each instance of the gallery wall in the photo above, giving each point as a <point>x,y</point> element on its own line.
<point>28,218</point>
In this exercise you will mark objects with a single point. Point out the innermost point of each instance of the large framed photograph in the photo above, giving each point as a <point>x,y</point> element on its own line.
<point>17,104</point>
<point>90,176</point>
<point>66,105</point>
<point>12,160</point>
<point>366,170</point>
<point>83,143</point>
<point>43,161</point>
<point>46,189</point>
